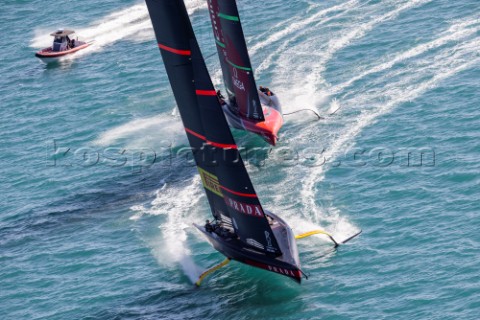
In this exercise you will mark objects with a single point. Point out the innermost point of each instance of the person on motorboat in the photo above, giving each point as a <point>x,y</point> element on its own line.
<point>63,44</point>
<point>62,41</point>
<point>70,43</point>
<point>266,91</point>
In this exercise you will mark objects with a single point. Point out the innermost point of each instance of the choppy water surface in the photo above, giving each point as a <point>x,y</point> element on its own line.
<point>85,233</point>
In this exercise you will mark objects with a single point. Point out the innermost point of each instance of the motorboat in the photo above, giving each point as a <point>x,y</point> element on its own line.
<point>65,43</point>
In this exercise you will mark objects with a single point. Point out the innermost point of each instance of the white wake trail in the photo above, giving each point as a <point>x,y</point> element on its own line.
<point>294,27</point>
<point>456,32</point>
<point>301,29</point>
<point>112,28</point>
<point>177,203</point>
<point>145,133</point>
<point>107,30</point>
<point>357,32</point>
<point>445,65</point>
<point>309,76</point>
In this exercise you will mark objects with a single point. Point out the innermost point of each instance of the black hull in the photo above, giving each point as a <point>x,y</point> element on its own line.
<point>287,264</point>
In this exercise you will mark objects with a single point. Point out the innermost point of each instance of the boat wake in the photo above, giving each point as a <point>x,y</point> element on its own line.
<point>429,63</point>
<point>154,133</point>
<point>127,23</point>
<point>178,204</point>
<point>299,25</point>
<point>457,31</point>
<point>412,82</point>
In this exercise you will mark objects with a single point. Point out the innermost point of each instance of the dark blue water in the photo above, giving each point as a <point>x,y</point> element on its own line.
<point>98,195</point>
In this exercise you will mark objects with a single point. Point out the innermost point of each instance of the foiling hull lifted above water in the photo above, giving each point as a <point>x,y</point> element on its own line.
<point>223,240</point>
<point>267,129</point>
<point>246,107</point>
<point>242,230</point>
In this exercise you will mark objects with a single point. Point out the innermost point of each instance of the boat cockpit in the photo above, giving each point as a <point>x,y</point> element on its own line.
<point>62,41</point>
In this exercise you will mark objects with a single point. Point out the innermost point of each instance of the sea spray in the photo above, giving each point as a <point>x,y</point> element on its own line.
<point>176,202</point>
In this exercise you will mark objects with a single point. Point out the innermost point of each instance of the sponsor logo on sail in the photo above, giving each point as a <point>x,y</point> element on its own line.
<point>245,208</point>
<point>270,248</point>
<point>237,83</point>
<point>210,182</point>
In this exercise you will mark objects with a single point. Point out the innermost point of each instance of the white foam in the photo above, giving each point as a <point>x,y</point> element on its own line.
<point>456,32</point>
<point>195,5</point>
<point>310,79</point>
<point>411,85</point>
<point>144,133</point>
<point>334,106</point>
<point>355,33</point>
<point>308,74</point>
<point>177,203</point>
<point>301,24</point>
<point>306,93</point>
<point>294,31</point>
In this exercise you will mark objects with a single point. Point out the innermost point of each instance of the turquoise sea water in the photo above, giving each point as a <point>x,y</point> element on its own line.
<point>91,227</point>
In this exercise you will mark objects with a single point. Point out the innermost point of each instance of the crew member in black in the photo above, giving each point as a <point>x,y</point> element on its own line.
<point>266,91</point>
<point>221,98</point>
<point>69,43</point>
<point>208,226</point>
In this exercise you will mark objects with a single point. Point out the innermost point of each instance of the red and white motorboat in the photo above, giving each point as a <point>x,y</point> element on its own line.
<point>63,45</point>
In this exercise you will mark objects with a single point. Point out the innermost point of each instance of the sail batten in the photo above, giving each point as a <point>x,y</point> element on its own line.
<point>212,143</point>
<point>176,51</point>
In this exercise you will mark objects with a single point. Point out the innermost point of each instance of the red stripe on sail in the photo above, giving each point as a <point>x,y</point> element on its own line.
<point>206,93</point>
<point>223,146</point>
<point>176,51</point>
<point>193,133</point>
<point>248,195</point>
<point>215,144</point>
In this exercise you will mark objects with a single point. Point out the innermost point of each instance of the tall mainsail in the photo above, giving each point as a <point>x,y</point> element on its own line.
<point>226,181</point>
<point>234,59</point>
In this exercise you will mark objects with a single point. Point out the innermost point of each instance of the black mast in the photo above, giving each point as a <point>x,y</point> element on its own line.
<point>226,181</point>
<point>234,58</point>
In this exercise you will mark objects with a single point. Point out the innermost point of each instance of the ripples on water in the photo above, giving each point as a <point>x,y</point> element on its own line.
<point>93,239</point>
